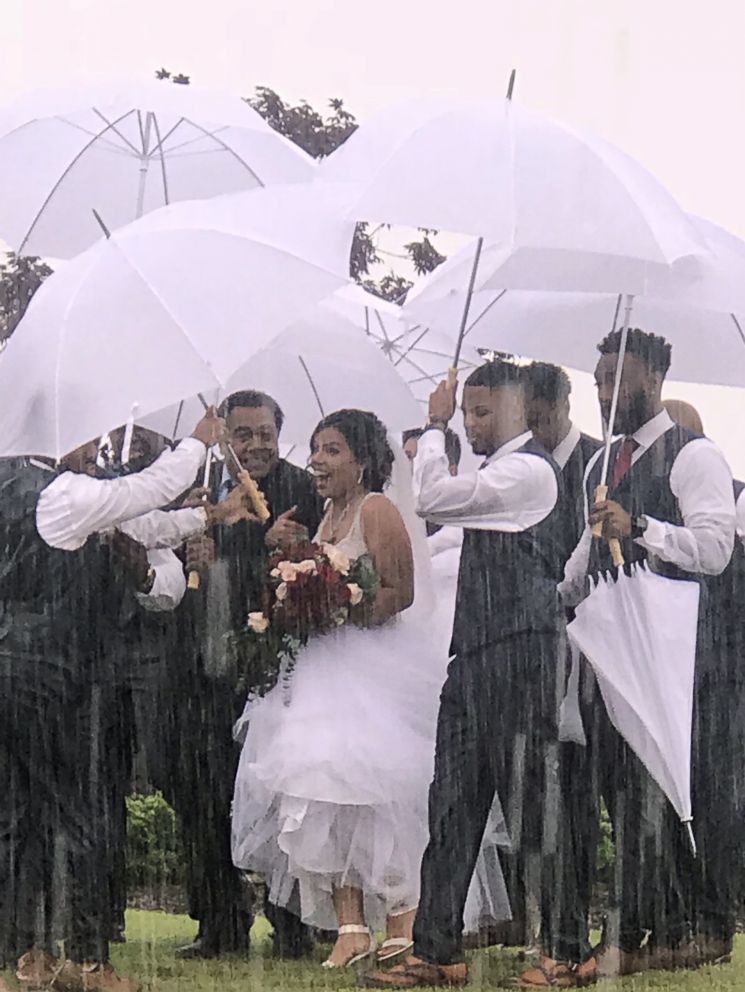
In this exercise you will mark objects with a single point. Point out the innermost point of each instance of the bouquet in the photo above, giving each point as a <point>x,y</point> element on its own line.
<point>310,591</point>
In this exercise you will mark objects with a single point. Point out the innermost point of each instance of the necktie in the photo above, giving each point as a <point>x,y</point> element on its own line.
<point>623,460</point>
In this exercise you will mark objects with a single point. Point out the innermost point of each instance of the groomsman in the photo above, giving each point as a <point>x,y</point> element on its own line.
<point>60,589</point>
<point>497,726</point>
<point>671,506</point>
<point>205,702</point>
<point>549,419</point>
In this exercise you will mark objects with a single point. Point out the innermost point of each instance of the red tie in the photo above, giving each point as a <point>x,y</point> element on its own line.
<point>623,460</point>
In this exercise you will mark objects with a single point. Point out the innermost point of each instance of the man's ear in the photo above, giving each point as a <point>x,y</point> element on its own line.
<point>453,469</point>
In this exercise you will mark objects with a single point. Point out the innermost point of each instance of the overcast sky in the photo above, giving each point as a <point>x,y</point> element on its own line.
<point>664,79</point>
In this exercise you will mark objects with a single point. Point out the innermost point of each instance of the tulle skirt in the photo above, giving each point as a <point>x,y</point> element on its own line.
<point>333,779</point>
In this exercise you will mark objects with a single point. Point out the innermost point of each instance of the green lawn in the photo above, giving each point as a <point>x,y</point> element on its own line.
<point>152,937</point>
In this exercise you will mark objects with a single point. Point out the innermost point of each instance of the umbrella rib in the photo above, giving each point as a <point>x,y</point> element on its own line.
<point>312,384</point>
<point>187,141</point>
<point>59,182</point>
<point>111,125</point>
<point>167,135</point>
<point>230,151</point>
<point>739,328</point>
<point>485,311</point>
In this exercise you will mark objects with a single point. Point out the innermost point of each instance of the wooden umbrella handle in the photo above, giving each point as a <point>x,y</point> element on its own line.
<point>616,553</point>
<point>614,545</point>
<point>193,581</point>
<point>601,495</point>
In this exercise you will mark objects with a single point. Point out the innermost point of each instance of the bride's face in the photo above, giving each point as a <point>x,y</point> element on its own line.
<point>334,466</point>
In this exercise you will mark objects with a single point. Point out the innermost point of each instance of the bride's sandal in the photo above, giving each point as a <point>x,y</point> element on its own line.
<point>393,948</point>
<point>357,957</point>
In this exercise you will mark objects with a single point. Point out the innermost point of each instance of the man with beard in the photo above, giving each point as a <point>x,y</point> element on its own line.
<point>206,700</point>
<point>497,725</point>
<point>671,505</point>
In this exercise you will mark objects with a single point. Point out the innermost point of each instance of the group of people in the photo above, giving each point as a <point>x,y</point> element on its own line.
<point>416,777</point>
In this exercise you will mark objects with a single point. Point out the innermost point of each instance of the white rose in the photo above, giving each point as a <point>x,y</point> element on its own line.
<point>307,567</point>
<point>287,571</point>
<point>355,593</point>
<point>258,622</point>
<point>275,573</point>
<point>339,561</point>
<point>282,591</point>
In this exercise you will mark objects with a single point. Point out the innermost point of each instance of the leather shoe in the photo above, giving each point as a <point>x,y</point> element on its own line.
<point>414,973</point>
<point>549,973</point>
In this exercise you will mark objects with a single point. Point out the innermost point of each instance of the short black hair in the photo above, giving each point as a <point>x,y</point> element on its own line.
<point>452,443</point>
<point>496,373</point>
<point>652,349</point>
<point>367,437</point>
<point>547,382</point>
<point>252,399</point>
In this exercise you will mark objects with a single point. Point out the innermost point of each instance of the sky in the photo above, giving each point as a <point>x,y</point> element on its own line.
<point>663,79</point>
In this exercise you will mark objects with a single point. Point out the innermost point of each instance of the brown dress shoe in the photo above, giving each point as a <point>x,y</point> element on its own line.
<point>551,974</point>
<point>36,969</point>
<point>414,973</point>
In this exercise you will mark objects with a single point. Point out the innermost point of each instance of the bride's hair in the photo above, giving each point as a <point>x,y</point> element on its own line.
<point>367,438</point>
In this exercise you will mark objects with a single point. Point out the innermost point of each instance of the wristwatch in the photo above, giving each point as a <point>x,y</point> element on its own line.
<point>638,526</point>
<point>147,585</point>
<point>435,424</point>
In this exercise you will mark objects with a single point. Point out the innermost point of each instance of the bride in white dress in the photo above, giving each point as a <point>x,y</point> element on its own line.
<point>330,801</point>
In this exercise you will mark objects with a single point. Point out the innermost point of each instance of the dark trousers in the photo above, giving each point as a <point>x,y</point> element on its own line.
<point>497,729</point>
<point>55,823</point>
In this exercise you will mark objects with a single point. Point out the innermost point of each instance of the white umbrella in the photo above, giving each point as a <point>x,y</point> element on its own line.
<point>646,676</point>
<point>124,149</point>
<point>703,318</point>
<point>171,305</point>
<point>565,207</point>
<point>320,364</point>
<point>421,356</point>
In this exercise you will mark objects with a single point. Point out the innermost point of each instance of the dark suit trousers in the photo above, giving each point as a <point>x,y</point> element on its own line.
<point>497,730</point>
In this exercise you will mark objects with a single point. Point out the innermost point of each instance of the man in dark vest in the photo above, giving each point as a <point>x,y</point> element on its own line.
<point>549,419</point>
<point>206,700</point>
<point>497,726</point>
<point>671,506</point>
<point>60,589</point>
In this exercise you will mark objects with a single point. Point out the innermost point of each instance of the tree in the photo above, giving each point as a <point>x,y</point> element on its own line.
<point>20,277</point>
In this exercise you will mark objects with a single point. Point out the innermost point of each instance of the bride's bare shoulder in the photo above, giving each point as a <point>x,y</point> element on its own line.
<point>378,511</point>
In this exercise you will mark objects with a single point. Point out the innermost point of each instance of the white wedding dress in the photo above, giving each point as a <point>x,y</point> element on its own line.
<point>332,785</point>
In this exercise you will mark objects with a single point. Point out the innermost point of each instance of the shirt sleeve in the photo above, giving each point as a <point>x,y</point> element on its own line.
<point>573,587</point>
<point>75,506</point>
<point>166,528</point>
<point>170,584</point>
<point>701,481</point>
<point>740,510</point>
<point>511,494</point>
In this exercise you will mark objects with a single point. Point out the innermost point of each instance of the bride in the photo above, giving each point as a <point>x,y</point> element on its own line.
<point>330,801</point>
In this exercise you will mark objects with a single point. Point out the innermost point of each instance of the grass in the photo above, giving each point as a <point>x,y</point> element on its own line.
<point>152,938</point>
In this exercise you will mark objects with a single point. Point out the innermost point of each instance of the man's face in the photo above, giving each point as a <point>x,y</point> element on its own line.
<point>253,434</point>
<point>548,421</point>
<point>83,460</point>
<point>488,414</point>
<point>637,393</point>
<point>144,447</point>
<point>411,447</point>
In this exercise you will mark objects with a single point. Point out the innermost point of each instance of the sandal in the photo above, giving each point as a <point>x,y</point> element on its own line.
<point>353,928</point>
<point>394,947</point>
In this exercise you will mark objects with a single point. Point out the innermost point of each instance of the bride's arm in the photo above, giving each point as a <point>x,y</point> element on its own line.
<point>389,546</point>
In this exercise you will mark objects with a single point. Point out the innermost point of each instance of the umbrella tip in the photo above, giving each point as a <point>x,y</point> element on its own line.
<point>511,84</point>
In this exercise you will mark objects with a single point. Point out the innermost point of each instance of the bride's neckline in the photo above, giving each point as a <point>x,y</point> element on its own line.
<point>346,517</point>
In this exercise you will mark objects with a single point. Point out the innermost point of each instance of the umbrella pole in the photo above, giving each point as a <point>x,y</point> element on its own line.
<point>691,839</point>
<point>601,492</point>
<point>466,307</point>
<point>144,165</point>
<point>312,385</point>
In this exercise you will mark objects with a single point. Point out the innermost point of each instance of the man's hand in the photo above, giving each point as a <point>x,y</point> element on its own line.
<point>615,520</point>
<point>285,531</point>
<point>236,506</point>
<point>442,401</point>
<point>210,428</point>
<point>132,555</point>
<point>200,554</point>
<point>195,498</point>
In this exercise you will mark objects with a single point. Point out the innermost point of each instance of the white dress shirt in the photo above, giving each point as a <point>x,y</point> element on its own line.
<point>564,449</point>
<point>740,514</point>
<point>74,506</point>
<point>166,528</point>
<point>511,492</point>
<point>701,481</point>
<point>170,583</point>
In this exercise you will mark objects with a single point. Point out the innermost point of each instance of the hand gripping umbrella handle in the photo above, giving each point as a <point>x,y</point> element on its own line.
<point>601,494</point>
<point>193,580</point>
